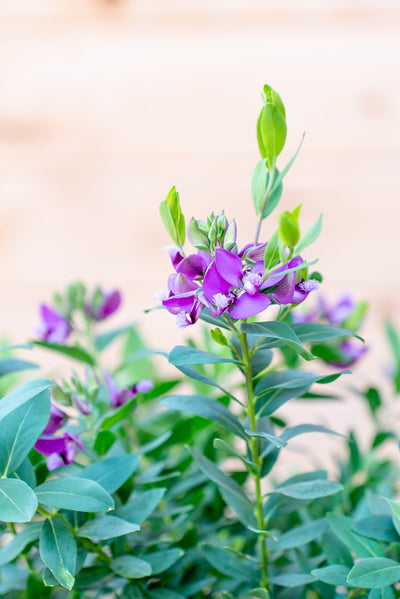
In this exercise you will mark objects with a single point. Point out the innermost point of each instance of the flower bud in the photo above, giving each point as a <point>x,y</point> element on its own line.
<point>173,218</point>
<point>271,126</point>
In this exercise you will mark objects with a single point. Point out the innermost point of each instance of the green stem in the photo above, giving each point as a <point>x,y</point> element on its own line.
<point>255,456</point>
<point>266,198</point>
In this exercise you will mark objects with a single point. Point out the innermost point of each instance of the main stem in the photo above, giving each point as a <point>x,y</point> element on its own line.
<point>255,456</point>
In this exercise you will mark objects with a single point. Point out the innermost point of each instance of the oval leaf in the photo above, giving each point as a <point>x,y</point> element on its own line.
<point>374,573</point>
<point>74,493</point>
<point>106,527</point>
<point>58,551</point>
<point>18,502</point>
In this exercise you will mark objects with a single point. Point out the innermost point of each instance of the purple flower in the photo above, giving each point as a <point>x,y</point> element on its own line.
<point>53,327</point>
<point>61,450</point>
<point>57,419</point>
<point>351,351</point>
<point>339,312</point>
<point>104,303</point>
<point>181,299</point>
<point>119,397</point>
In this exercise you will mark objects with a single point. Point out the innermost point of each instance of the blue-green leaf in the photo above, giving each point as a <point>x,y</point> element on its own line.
<point>300,535</point>
<point>231,492</point>
<point>362,546</point>
<point>292,579</point>
<point>10,365</point>
<point>72,351</point>
<point>309,489</point>
<point>105,339</point>
<point>140,505</point>
<point>75,493</point>
<point>162,560</point>
<point>18,502</point>
<point>111,473</point>
<point>230,565</point>
<point>335,575</point>
<point>106,527</point>
<point>385,593</point>
<point>374,573</point>
<point>129,566</point>
<point>211,409</point>
<point>310,236</point>
<point>20,430</point>
<point>189,356</point>
<point>316,332</point>
<point>379,527</point>
<point>280,332</point>
<point>58,551</point>
<point>28,535</point>
<point>22,395</point>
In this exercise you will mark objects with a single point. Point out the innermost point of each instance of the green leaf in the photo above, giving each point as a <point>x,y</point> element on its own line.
<point>106,527</point>
<point>361,546</point>
<point>129,566</point>
<point>379,527</point>
<point>28,535</point>
<point>231,492</point>
<point>111,473</point>
<point>301,429</point>
<point>92,575</point>
<point>163,560</point>
<point>229,564</point>
<point>292,579</point>
<point>335,575</point>
<point>197,376</point>
<point>186,356</point>
<point>75,493</point>
<point>104,441</point>
<point>278,331</point>
<point>385,593</point>
<point>140,505</point>
<point>12,365</point>
<point>309,489</point>
<point>395,507</point>
<point>316,332</point>
<point>272,253</point>
<point>20,430</point>
<point>18,502</point>
<point>119,415</point>
<point>310,236</point>
<point>289,232</point>
<point>259,186</point>
<point>280,177</point>
<point>22,395</point>
<point>374,573</point>
<point>202,406</point>
<point>72,351</point>
<point>300,535</point>
<point>58,551</point>
<point>48,579</point>
<point>105,339</point>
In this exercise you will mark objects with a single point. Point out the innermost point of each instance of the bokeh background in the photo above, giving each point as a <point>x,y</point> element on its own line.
<point>105,104</point>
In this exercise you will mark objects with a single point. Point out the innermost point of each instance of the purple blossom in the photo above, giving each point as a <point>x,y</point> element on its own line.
<point>340,311</point>
<point>351,351</point>
<point>61,450</point>
<point>121,396</point>
<point>57,419</point>
<point>53,327</point>
<point>102,308</point>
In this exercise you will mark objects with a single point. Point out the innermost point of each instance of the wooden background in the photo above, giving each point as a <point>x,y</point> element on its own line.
<point>105,104</point>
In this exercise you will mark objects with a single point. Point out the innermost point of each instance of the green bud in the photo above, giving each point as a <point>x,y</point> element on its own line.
<point>197,237</point>
<point>172,217</point>
<point>218,336</point>
<point>289,232</point>
<point>271,126</point>
<point>230,236</point>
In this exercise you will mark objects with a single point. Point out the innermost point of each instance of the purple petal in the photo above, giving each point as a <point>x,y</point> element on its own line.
<point>49,445</point>
<point>183,284</point>
<point>57,419</point>
<point>111,302</point>
<point>194,266</point>
<point>144,386</point>
<point>341,310</point>
<point>175,254</point>
<point>54,461</point>
<point>214,283</point>
<point>229,266</point>
<point>274,278</point>
<point>248,305</point>
<point>180,303</point>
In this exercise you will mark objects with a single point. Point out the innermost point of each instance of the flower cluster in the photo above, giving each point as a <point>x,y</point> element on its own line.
<point>345,312</point>
<point>231,282</point>
<point>120,396</point>
<point>56,324</point>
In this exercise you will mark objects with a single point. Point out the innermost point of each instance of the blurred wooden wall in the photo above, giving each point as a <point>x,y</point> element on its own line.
<point>105,104</point>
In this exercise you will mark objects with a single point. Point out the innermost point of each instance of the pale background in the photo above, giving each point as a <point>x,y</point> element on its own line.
<point>104,105</point>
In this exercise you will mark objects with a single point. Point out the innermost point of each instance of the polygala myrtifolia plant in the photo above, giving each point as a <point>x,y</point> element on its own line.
<point>296,539</point>
<point>94,501</point>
